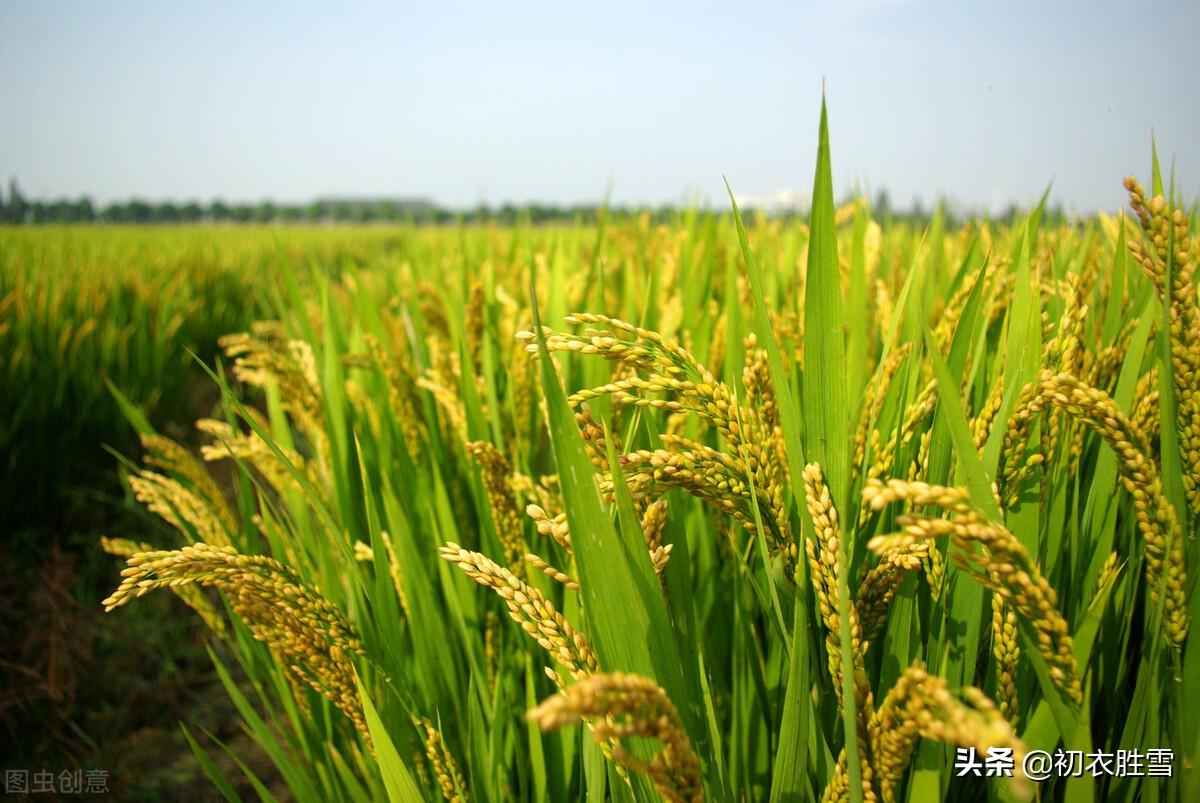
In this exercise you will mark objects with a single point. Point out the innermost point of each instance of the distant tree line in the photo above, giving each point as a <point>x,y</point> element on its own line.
<point>16,208</point>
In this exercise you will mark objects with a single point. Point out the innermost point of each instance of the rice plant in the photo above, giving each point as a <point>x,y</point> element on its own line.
<point>773,510</point>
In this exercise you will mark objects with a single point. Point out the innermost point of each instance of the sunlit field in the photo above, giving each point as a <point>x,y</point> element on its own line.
<point>723,506</point>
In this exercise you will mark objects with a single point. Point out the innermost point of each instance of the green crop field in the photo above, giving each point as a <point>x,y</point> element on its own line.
<point>729,507</point>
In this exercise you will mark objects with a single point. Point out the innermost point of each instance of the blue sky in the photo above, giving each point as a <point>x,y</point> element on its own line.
<point>985,103</point>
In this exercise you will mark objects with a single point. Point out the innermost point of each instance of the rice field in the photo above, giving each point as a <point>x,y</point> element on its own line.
<point>727,508</point>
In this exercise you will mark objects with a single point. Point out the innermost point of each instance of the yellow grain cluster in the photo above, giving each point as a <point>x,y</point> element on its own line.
<point>278,466</point>
<point>529,608</point>
<point>920,705</point>
<point>992,555</point>
<point>1166,257</point>
<point>497,483</point>
<point>310,637</point>
<point>1006,653</point>
<point>192,596</point>
<point>445,768</point>
<point>824,561</point>
<point>746,480</point>
<point>881,582</point>
<point>267,357</point>
<point>622,706</point>
<point>1166,576</point>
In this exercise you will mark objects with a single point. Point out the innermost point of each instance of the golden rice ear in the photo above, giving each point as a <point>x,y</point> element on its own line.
<point>653,522</point>
<point>184,510</point>
<point>1007,654</point>
<point>275,465</point>
<point>267,357</point>
<point>447,401</point>
<point>554,527</point>
<point>445,768</point>
<point>529,608</point>
<point>920,705</point>
<point>310,637</point>
<point>1168,242</point>
<point>191,595</point>
<point>1002,565</point>
<point>875,393</point>
<point>663,375</point>
<point>595,440</point>
<point>497,483</point>
<point>551,572</point>
<point>981,424</point>
<point>878,588</point>
<point>171,457</point>
<point>400,374</point>
<point>621,706</point>
<point>473,325</point>
<point>1161,532</point>
<point>394,572</point>
<point>824,556</point>
<point>916,416</point>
